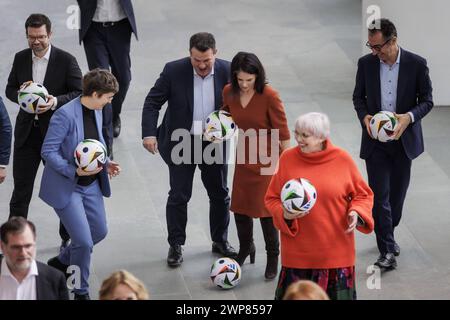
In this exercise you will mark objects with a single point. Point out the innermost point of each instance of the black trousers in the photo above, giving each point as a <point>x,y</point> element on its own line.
<point>108,47</point>
<point>214,178</point>
<point>389,171</point>
<point>26,160</point>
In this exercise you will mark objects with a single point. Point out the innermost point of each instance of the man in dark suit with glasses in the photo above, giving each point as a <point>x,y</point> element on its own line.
<point>396,80</point>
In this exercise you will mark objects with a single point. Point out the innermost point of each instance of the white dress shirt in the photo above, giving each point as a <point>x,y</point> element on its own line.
<point>204,102</point>
<point>108,11</point>
<point>40,69</point>
<point>40,66</point>
<point>11,289</point>
<point>388,83</point>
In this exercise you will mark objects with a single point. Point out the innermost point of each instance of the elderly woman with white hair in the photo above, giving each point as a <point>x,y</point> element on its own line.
<point>320,245</point>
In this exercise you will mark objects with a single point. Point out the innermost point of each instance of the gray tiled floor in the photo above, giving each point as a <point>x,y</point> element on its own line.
<point>310,49</point>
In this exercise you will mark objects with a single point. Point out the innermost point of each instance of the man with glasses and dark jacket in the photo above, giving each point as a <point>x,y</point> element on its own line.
<point>59,73</point>
<point>390,79</point>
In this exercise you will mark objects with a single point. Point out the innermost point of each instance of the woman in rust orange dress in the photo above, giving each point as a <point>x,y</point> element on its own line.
<point>263,134</point>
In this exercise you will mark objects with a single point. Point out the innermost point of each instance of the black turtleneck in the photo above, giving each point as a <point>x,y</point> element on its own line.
<point>90,132</point>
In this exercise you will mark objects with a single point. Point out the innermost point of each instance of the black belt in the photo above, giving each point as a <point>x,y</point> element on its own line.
<point>109,23</point>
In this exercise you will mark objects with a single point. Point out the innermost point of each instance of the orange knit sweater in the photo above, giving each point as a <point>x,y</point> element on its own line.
<point>318,240</point>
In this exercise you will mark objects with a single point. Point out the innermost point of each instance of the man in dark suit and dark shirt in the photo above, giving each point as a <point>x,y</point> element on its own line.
<point>5,140</point>
<point>106,27</point>
<point>59,72</point>
<point>391,79</point>
<point>21,276</point>
<point>192,86</point>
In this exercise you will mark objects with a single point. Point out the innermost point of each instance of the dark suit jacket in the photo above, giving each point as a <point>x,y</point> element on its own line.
<point>176,86</point>
<point>50,283</point>
<point>414,94</point>
<point>5,135</point>
<point>62,80</point>
<point>87,11</point>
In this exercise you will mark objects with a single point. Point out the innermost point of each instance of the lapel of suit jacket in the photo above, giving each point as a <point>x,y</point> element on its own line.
<point>190,86</point>
<point>79,120</point>
<point>375,70</point>
<point>402,80</point>
<point>125,4</point>
<point>98,121</point>
<point>43,285</point>
<point>51,68</point>
<point>40,285</point>
<point>217,86</point>
<point>28,64</point>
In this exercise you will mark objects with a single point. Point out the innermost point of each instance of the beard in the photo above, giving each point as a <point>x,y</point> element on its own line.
<point>20,265</point>
<point>39,48</point>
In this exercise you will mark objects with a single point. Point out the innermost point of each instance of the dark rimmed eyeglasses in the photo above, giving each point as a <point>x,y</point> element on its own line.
<point>378,47</point>
<point>39,38</point>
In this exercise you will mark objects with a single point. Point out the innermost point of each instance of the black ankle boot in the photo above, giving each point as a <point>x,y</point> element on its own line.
<point>271,267</point>
<point>245,252</point>
<point>244,226</point>
<point>271,238</point>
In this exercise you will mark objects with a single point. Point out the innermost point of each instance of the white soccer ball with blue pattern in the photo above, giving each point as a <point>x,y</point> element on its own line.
<point>298,196</point>
<point>382,126</point>
<point>90,154</point>
<point>226,273</point>
<point>32,96</point>
<point>219,126</point>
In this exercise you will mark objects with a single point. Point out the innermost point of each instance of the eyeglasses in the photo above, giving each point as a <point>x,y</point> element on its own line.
<point>378,47</point>
<point>301,134</point>
<point>39,38</point>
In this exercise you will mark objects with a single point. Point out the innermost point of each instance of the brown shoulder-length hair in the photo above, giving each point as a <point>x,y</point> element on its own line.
<point>126,278</point>
<point>249,63</point>
<point>101,81</point>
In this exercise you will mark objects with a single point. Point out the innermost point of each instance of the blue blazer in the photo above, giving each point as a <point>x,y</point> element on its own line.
<point>5,134</point>
<point>414,94</point>
<point>176,87</point>
<point>66,130</point>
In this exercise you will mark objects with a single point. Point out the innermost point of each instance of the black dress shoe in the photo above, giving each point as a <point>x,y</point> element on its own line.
<point>224,248</point>
<point>64,244</point>
<point>396,250</point>
<point>55,263</point>
<point>175,256</point>
<point>386,261</point>
<point>117,126</point>
<point>81,296</point>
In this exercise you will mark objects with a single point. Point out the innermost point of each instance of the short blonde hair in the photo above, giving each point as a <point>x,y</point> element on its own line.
<point>126,278</point>
<point>316,123</point>
<point>305,290</point>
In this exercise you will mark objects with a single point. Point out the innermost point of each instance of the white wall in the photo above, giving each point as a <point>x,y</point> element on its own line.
<point>423,27</point>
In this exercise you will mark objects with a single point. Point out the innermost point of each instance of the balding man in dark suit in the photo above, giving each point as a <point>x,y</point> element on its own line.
<point>192,87</point>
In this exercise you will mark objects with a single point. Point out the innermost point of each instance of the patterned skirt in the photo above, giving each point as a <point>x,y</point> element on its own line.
<point>339,283</point>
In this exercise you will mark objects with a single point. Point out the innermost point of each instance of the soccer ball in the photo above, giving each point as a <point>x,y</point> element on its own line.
<point>382,126</point>
<point>219,126</point>
<point>90,154</point>
<point>226,273</point>
<point>298,196</point>
<point>32,96</point>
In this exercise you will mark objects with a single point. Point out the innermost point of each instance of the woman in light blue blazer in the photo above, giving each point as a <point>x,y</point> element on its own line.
<point>76,195</point>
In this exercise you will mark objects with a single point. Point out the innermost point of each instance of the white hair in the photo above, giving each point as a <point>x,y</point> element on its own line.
<point>315,123</point>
